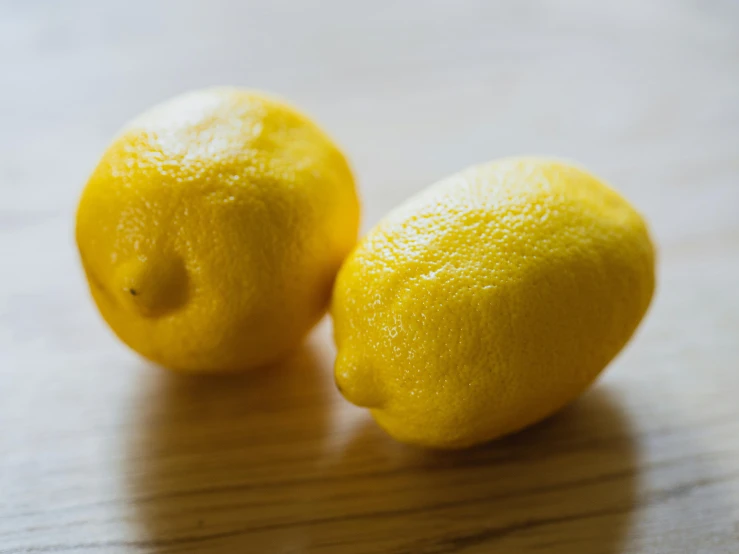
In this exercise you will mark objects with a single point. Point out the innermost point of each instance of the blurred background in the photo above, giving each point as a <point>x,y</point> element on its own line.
<point>413,90</point>
<point>101,453</point>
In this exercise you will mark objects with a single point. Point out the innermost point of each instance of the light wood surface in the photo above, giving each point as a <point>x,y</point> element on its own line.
<point>101,453</point>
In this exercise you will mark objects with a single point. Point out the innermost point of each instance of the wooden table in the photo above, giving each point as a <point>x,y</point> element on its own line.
<point>101,453</point>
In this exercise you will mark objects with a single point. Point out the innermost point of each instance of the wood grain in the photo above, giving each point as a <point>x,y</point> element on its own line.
<point>101,453</point>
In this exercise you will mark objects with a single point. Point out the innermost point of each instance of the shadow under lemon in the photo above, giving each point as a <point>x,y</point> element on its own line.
<point>277,461</point>
<point>565,486</point>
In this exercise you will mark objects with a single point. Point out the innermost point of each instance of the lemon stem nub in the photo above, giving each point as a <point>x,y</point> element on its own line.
<point>154,286</point>
<point>356,382</point>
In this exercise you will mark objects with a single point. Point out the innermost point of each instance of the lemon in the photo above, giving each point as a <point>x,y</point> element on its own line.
<point>213,227</point>
<point>489,301</point>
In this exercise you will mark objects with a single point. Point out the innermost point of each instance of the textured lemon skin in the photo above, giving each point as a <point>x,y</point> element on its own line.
<point>489,301</point>
<point>213,227</point>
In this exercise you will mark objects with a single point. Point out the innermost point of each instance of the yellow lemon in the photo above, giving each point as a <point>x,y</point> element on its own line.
<point>489,301</point>
<point>212,229</point>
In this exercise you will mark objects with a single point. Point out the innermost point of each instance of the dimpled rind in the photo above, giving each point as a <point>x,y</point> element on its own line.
<point>213,227</point>
<point>489,301</point>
